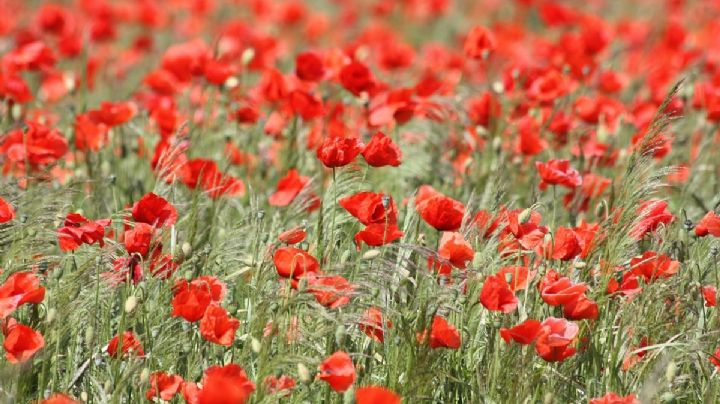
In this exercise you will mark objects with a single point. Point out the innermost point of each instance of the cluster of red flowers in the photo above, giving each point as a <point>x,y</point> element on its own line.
<point>507,144</point>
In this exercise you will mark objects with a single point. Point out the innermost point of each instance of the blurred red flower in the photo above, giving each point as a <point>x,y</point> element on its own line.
<point>338,371</point>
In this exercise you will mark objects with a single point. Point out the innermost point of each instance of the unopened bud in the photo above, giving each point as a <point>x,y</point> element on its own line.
<point>51,314</point>
<point>303,373</point>
<point>670,372</point>
<point>525,215</point>
<point>247,56</point>
<point>370,254</point>
<point>89,335</point>
<point>339,334</point>
<point>145,376</point>
<point>130,304</point>
<point>186,249</point>
<point>255,345</point>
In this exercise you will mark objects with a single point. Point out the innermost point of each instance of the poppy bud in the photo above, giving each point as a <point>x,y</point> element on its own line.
<point>51,314</point>
<point>130,304</point>
<point>525,215</point>
<point>255,345</point>
<point>89,335</point>
<point>16,111</point>
<point>84,396</point>
<point>371,254</point>
<point>667,397</point>
<point>386,201</point>
<point>303,373</point>
<point>145,375</point>
<point>231,82</point>
<point>247,56</point>
<point>339,334</point>
<point>498,87</point>
<point>345,256</point>
<point>186,249</point>
<point>670,371</point>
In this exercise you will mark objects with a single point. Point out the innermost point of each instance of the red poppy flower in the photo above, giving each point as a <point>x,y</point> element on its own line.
<point>338,371</point>
<point>443,334</point>
<point>652,266</point>
<point>138,239</point>
<point>548,87</point>
<point>218,71</point>
<point>190,301</point>
<point>38,145</point>
<point>78,230</point>
<point>612,398</point>
<point>382,151</point>
<point>309,67</point>
<point>557,291</point>
<point>356,78</point>
<point>7,213</point>
<point>58,398</point>
<point>294,263</point>
<point>496,295</point>
<point>114,113</point>
<point>89,135</point>
<point>288,188</point>
<point>709,293</point>
<point>629,285</point>
<point>128,343</point>
<point>593,186</point>
<point>217,327</point>
<point>580,308</point>
<point>376,395</point>
<point>372,324</point>
<point>18,289</point>
<point>377,234</point>
<point>524,333</point>
<point>479,42</point>
<point>164,386</point>
<point>483,108</point>
<point>227,384</point>
<point>330,291</point>
<point>558,172</point>
<point>709,224</point>
<point>215,286</point>
<point>154,210</point>
<point>715,358</point>
<point>21,343</point>
<point>275,385</point>
<point>516,276</point>
<point>529,141</point>
<point>293,236</point>
<point>369,208</point>
<point>553,343</point>
<point>439,211</point>
<point>337,151</point>
<point>455,249</point>
<point>308,106</point>
<point>652,213</point>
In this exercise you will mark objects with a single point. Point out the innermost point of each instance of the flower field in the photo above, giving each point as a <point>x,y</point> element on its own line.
<point>359,201</point>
